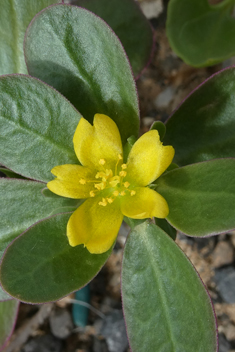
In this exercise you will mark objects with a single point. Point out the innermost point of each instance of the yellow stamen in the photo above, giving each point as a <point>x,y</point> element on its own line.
<point>126,184</point>
<point>115,193</point>
<point>110,200</point>
<point>102,161</point>
<point>82,181</point>
<point>133,193</point>
<point>103,203</point>
<point>100,186</point>
<point>123,193</point>
<point>92,194</point>
<point>122,173</point>
<point>119,157</point>
<point>99,174</point>
<point>124,166</point>
<point>114,181</point>
<point>109,172</point>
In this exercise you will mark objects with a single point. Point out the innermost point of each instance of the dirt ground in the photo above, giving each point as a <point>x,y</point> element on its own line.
<point>50,328</point>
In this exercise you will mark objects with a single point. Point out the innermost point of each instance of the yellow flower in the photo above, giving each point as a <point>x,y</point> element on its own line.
<point>112,188</point>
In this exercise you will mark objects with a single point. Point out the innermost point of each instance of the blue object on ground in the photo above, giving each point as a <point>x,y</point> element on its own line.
<point>79,311</point>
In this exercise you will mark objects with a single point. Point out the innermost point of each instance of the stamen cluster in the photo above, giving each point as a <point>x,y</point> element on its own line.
<point>111,184</point>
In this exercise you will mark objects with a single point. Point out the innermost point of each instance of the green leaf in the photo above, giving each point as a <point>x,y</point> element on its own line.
<point>37,126</point>
<point>77,53</point>
<point>40,266</point>
<point>166,306</point>
<point>22,204</point>
<point>201,197</point>
<point>130,25</point>
<point>8,314</point>
<point>160,127</point>
<point>199,33</point>
<point>15,17</point>
<point>165,226</point>
<point>202,128</point>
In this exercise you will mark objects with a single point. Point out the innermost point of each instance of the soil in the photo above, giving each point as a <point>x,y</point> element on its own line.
<point>50,328</point>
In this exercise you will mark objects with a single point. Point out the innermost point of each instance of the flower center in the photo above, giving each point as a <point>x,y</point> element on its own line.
<point>111,184</point>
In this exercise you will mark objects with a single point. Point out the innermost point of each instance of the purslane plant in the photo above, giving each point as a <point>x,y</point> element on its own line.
<point>166,306</point>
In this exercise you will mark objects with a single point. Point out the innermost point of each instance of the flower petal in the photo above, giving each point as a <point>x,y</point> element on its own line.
<point>100,141</point>
<point>94,225</point>
<point>148,159</point>
<point>67,183</point>
<point>146,203</point>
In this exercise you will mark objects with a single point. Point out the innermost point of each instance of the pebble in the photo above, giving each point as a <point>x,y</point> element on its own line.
<point>164,98</point>
<point>230,332</point>
<point>148,121</point>
<point>223,254</point>
<point>61,323</point>
<point>224,345</point>
<point>225,280</point>
<point>45,343</point>
<point>114,331</point>
<point>152,9</point>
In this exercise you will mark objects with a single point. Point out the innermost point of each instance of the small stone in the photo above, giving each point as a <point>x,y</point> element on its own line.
<point>114,331</point>
<point>148,121</point>
<point>45,343</point>
<point>152,9</point>
<point>229,331</point>
<point>61,323</point>
<point>223,254</point>
<point>225,280</point>
<point>224,345</point>
<point>164,98</point>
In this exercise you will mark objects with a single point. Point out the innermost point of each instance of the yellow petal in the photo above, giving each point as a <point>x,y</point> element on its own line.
<point>148,159</point>
<point>146,203</point>
<point>94,225</point>
<point>72,181</point>
<point>100,142</point>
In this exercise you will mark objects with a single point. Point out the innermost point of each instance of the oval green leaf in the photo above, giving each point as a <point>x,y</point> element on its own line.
<point>15,17</point>
<point>22,204</point>
<point>166,306</point>
<point>37,126</point>
<point>130,25</point>
<point>201,197</point>
<point>8,315</point>
<point>40,265</point>
<point>77,53</point>
<point>202,128</point>
<point>201,34</point>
